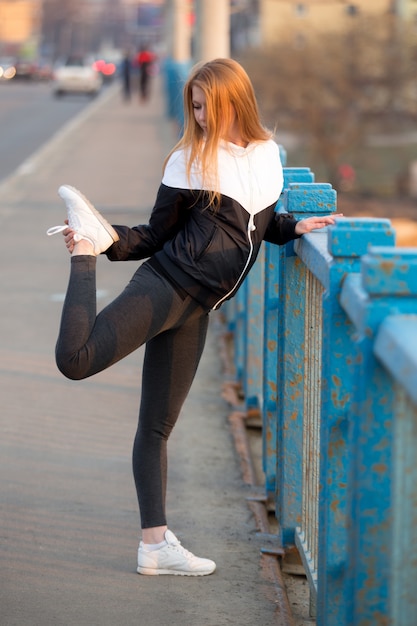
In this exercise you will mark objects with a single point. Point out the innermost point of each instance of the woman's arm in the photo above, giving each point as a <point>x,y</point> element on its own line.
<point>283,227</point>
<point>168,215</point>
<point>313,223</point>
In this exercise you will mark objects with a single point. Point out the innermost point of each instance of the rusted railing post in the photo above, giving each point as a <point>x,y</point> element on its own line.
<point>300,199</point>
<point>386,285</point>
<point>347,242</point>
<point>270,361</point>
<point>396,348</point>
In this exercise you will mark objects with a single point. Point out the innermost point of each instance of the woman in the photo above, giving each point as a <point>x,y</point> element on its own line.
<point>215,205</point>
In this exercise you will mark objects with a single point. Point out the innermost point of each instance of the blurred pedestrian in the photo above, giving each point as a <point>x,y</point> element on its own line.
<point>145,61</point>
<point>126,72</point>
<point>347,177</point>
<point>214,207</point>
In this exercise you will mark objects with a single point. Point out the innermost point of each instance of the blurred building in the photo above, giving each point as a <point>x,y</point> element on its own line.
<point>20,22</point>
<point>145,21</point>
<point>295,22</point>
<point>408,8</point>
<point>58,27</point>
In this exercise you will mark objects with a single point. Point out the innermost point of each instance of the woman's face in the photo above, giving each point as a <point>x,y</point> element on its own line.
<point>199,107</point>
<point>230,130</point>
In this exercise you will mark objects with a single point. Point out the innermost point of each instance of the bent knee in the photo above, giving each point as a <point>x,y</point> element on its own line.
<point>71,367</point>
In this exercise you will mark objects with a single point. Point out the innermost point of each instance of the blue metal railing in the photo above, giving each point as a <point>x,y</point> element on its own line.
<point>175,74</point>
<point>325,348</point>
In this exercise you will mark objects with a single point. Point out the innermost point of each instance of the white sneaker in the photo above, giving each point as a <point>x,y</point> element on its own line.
<point>85,220</point>
<point>172,559</point>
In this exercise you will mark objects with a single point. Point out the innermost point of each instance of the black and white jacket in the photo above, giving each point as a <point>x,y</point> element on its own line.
<point>207,252</point>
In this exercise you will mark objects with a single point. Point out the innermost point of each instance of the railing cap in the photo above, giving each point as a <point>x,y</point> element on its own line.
<point>297,175</point>
<point>351,237</point>
<point>396,347</point>
<point>390,271</point>
<point>282,154</point>
<point>297,169</point>
<point>314,198</point>
<point>311,187</point>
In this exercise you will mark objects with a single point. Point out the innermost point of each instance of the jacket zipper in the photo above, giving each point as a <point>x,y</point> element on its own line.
<point>251,227</point>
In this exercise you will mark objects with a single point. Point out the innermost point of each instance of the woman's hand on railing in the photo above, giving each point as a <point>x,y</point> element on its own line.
<point>313,223</point>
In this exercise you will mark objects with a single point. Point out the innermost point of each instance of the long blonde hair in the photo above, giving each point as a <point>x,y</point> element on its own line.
<point>228,90</point>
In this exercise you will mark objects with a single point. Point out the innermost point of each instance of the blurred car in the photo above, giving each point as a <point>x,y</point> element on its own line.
<point>76,75</point>
<point>44,70</point>
<point>7,69</point>
<point>33,69</point>
<point>25,69</point>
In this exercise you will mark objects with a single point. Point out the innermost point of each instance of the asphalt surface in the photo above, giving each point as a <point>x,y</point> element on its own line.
<point>69,524</point>
<point>29,115</point>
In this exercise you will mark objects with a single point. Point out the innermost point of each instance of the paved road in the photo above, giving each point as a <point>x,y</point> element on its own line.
<point>29,116</point>
<point>69,522</point>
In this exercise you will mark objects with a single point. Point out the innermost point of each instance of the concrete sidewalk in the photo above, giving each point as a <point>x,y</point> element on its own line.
<point>69,521</point>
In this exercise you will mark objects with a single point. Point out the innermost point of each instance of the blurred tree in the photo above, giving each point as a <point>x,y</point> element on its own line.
<point>332,92</point>
<point>58,21</point>
<point>81,26</point>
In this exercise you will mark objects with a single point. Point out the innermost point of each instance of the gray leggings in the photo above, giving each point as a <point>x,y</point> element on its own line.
<point>174,326</point>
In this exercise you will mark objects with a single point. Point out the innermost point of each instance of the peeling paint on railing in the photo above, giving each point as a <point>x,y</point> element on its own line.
<point>317,328</point>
